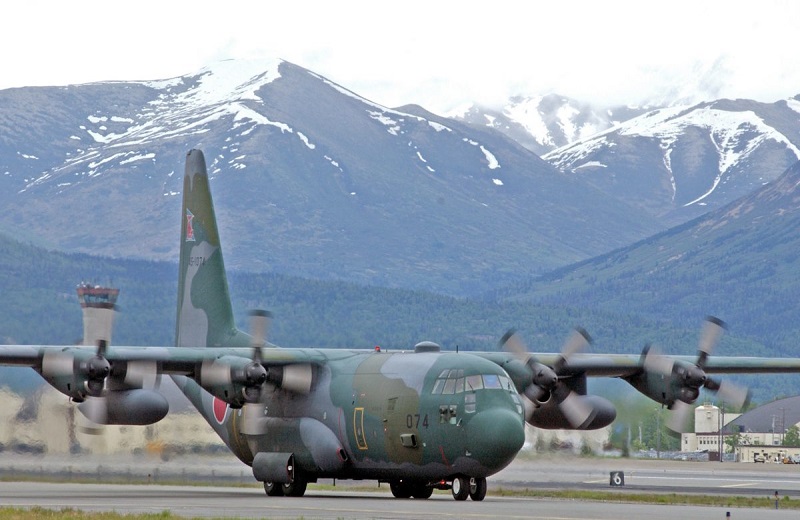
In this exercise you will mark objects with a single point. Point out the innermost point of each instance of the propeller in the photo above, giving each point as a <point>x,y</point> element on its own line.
<point>103,379</point>
<point>253,409</point>
<point>544,380</point>
<point>94,407</point>
<point>692,377</point>
<point>255,373</point>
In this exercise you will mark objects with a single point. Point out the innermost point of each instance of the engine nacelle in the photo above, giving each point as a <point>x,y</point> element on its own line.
<point>550,417</point>
<point>233,379</point>
<point>666,389</point>
<point>76,373</point>
<point>128,407</point>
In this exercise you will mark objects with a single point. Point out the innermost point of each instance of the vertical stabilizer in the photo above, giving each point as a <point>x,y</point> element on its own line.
<point>205,315</point>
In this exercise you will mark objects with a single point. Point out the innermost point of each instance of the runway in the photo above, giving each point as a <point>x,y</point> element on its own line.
<point>652,476</point>
<point>345,501</point>
<point>217,502</point>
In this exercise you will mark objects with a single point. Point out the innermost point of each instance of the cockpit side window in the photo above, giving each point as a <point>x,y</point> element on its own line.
<point>507,385</point>
<point>469,403</point>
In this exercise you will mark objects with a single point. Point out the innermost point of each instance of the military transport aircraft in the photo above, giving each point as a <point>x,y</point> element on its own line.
<point>420,420</point>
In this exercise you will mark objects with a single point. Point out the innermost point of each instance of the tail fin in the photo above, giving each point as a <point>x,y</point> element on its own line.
<point>205,315</point>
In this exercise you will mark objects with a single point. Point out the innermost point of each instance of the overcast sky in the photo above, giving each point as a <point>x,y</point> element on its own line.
<point>435,53</point>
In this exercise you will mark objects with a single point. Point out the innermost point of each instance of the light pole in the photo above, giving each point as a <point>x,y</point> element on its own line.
<point>721,426</point>
<point>658,433</point>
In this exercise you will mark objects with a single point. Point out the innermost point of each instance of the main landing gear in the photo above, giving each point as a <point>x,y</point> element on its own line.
<point>472,487</point>
<point>408,489</point>
<point>461,487</point>
<point>297,488</point>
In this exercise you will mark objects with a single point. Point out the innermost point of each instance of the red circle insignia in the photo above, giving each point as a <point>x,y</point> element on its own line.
<point>220,410</point>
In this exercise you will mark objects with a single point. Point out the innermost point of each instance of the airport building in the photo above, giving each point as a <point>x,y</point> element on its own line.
<point>758,435</point>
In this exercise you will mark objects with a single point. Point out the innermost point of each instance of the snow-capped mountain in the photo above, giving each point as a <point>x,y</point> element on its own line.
<point>682,161</point>
<point>544,123</point>
<point>309,179</point>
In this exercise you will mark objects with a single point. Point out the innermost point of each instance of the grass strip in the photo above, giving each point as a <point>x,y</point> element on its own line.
<point>739,501</point>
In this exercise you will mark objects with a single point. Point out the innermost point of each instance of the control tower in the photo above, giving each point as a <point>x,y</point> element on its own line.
<point>98,305</point>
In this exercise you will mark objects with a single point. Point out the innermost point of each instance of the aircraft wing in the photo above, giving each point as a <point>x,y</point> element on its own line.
<point>174,360</point>
<point>628,365</point>
<point>183,360</point>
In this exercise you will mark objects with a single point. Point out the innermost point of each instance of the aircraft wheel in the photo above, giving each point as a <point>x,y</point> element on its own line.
<point>460,488</point>
<point>296,488</point>
<point>273,489</point>
<point>421,491</point>
<point>400,489</point>
<point>477,489</point>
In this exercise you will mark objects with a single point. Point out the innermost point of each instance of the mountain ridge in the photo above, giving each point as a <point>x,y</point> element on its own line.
<point>329,175</point>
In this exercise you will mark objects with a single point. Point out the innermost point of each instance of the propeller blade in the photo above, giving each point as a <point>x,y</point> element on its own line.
<point>58,364</point>
<point>513,344</point>
<point>712,331</point>
<point>577,342</point>
<point>528,406</point>
<point>576,411</point>
<point>534,393</point>
<point>735,396</point>
<point>142,374</point>
<point>259,326</point>
<point>657,363</point>
<point>297,378</point>
<point>253,419</point>
<point>215,374</point>
<point>95,410</point>
<point>679,417</point>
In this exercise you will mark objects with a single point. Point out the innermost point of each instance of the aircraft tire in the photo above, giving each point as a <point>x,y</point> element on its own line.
<point>477,489</point>
<point>273,490</point>
<point>296,488</point>
<point>421,491</point>
<point>460,488</point>
<point>400,489</point>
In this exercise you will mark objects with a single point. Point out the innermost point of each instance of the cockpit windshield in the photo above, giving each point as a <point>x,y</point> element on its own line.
<point>453,381</point>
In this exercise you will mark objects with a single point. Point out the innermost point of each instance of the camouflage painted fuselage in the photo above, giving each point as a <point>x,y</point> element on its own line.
<point>378,415</point>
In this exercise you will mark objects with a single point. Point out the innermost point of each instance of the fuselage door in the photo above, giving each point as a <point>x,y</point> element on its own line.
<point>358,428</point>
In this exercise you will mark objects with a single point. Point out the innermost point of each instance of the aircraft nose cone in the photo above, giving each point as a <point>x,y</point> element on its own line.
<point>495,437</point>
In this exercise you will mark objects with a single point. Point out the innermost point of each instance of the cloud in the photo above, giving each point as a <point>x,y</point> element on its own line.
<point>436,54</point>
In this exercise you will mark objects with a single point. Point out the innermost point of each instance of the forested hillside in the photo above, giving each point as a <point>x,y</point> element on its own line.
<point>740,263</point>
<point>39,305</point>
